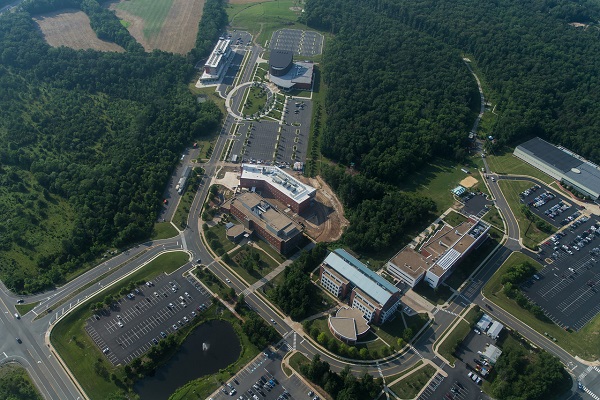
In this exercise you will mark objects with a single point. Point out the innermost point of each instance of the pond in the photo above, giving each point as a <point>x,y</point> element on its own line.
<point>212,346</point>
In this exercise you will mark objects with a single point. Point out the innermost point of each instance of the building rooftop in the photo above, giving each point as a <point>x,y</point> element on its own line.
<point>349,323</point>
<point>492,353</point>
<point>550,154</point>
<point>261,213</point>
<point>356,272</point>
<point>217,53</point>
<point>280,180</point>
<point>334,273</point>
<point>280,59</point>
<point>441,251</point>
<point>573,166</point>
<point>301,72</point>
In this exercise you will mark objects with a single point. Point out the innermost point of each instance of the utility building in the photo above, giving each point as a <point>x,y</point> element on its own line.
<point>562,165</point>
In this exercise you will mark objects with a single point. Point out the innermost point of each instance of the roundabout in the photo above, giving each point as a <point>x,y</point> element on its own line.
<point>252,107</point>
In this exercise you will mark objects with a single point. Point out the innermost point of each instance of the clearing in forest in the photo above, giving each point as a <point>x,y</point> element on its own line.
<point>169,25</point>
<point>71,28</point>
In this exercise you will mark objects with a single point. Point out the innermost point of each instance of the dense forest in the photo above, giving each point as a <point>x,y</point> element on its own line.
<point>542,69</point>
<point>521,374</point>
<point>399,93</point>
<point>89,140</point>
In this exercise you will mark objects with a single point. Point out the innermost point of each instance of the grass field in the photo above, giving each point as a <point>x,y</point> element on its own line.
<point>530,234</point>
<point>163,230</point>
<point>25,308</point>
<point>169,25</point>
<point>410,386</point>
<point>255,100</point>
<point>71,28</point>
<point>208,93</point>
<point>585,343</point>
<point>503,162</point>
<point>152,12</point>
<point>437,179</point>
<point>264,18</point>
<point>75,346</point>
<point>16,384</point>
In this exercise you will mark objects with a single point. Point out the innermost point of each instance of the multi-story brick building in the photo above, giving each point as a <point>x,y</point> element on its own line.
<point>257,215</point>
<point>275,182</point>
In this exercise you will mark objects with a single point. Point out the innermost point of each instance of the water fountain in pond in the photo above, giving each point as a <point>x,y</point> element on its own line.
<point>205,346</point>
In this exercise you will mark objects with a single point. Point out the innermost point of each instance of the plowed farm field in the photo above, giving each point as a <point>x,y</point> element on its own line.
<point>71,28</point>
<point>169,25</point>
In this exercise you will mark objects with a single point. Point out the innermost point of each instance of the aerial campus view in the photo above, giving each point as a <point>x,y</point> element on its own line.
<point>299,199</point>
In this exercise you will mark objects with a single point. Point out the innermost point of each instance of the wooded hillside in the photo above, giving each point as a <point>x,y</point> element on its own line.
<point>89,140</point>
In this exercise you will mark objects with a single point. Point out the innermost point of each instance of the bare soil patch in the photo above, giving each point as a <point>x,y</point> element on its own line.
<point>71,28</point>
<point>469,182</point>
<point>324,221</point>
<point>178,33</point>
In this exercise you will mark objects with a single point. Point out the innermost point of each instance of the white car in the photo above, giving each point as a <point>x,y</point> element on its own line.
<point>227,280</point>
<point>120,324</point>
<point>477,331</point>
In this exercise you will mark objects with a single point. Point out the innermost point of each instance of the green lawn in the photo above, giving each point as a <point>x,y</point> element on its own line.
<point>255,101</point>
<point>265,264</point>
<point>265,17</point>
<point>270,251</point>
<point>410,386</point>
<point>503,162</point>
<point>217,239</point>
<point>297,360</point>
<point>451,341</point>
<point>163,230</point>
<point>530,234</point>
<point>392,378</point>
<point>25,308</point>
<point>77,349</point>
<point>493,217</point>
<point>16,384</point>
<point>152,12</point>
<point>453,218</point>
<point>391,331</point>
<point>208,93</point>
<point>584,343</point>
<point>437,179</point>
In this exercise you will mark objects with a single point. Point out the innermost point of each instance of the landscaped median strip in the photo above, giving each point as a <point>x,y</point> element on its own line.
<point>91,283</point>
<point>448,331</point>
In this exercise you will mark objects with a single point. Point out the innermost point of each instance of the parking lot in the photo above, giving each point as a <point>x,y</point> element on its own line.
<point>549,205</point>
<point>567,288</point>
<point>146,315</point>
<point>302,43</point>
<point>263,134</point>
<point>263,379</point>
<point>475,204</point>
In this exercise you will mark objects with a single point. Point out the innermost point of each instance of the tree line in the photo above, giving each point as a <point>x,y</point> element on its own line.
<point>342,386</point>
